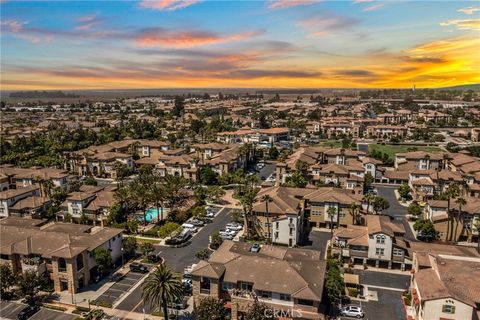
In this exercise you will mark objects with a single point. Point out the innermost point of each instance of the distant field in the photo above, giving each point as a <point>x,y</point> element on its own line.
<point>391,150</point>
<point>332,143</point>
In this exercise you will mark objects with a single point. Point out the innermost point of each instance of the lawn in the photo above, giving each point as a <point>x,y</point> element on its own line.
<point>331,143</point>
<point>392,150</point>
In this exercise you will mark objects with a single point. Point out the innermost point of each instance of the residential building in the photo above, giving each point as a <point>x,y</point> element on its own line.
<point>228,275</point>
<point>64,252</point>
<point>11,197</point>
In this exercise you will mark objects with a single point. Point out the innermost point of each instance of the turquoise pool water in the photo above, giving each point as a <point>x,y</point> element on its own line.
<point>152,214</point>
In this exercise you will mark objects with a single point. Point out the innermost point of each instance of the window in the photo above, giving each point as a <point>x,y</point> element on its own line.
<point>79,262</point>
<point>284,297</point>
<point>62,265</point>
<point>291,231</point>
<point>277,225</point>
<point>446,308</point>
<point>204,285</point>
<point>227,286</point>
<point>379,251</point>
<point>316,213</point>
<point>380,239</point>
<point>305,302</point>
<point>265,294</point>
<point>246,286</point>
<point>397,252</point>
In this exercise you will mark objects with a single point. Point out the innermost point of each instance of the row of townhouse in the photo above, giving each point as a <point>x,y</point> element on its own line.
<point>380,242</point>
<point>249,135</point>
<point>100,160</point>
<point>63,252</point>
<point>290,211</point>
<point>443,283</point>
<point>331,166</point>
<point>13,177</point>
<point>229,275</point>
<point>89,202</point>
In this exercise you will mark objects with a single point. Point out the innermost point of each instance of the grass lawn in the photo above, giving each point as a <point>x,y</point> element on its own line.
<point>391,150</point>
<point>332,143</point>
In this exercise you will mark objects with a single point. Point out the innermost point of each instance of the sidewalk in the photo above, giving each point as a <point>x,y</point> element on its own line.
<point>383,270</point>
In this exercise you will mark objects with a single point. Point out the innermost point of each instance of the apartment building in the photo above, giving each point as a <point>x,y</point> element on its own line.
<point>342,176</point>
<point>458,224</point>
<point>62,251</point>
<point>379,243</point>
<point>9,198</point>
<point>90,202</point>
<point>419,160</point>
<point>228,275</point>
<point>386,131</point>
<point>445,287</point>
<point>14,177</point>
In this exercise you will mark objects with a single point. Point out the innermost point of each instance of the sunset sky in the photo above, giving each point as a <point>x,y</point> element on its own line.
<point>268,44</point>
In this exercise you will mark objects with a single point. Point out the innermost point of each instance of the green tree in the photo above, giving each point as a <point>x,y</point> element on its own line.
<point>168,229</point>
<point>334,281</point>
<point>103,260</point>
<point>414,209</point>
<point>273,153</point>
<point>203,254</point>
<point>162,286</point>
<point>7,280</point>
<point>208,176</point>
<point>369,198</point>
<point>368,180</point>
<point>28,286</point>
<point>404,190</point>
<point>215,193</point>
<point>90,181</point>
<point>259,311</point>
<point>210,308</point>
<point>147,248</point>
<point>116,214</point>
<point>267,199</point>
<point>215,241</point>
<point>459,214</point>
<point>354,210</point>
<point>380,204</point>
<point>425,226</point>
<point>296,180</point>
<point>130,246</point>
<point>452,191</point>
<point>247,199</point>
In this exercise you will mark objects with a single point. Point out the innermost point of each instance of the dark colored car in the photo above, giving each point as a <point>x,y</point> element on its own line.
<point>427,237</point>
<point>138,267</point>
<point>27,312</point>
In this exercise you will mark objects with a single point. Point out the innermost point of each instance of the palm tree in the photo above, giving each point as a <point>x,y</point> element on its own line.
<point>452,191</point>
<point>461,202</point>
<point>266,198</point>
<point>247,199</point>
<point>368,198</point>
<point>157,195</point>
<point>162,286</point>
<point>354,208</point>
<point>331,212</point>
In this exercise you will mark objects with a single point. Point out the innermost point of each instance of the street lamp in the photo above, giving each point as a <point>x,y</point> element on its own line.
<point>121,249</point>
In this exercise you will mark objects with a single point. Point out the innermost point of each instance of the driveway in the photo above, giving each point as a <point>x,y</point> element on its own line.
<point>388,307</point>
<point>317,240</point>
<point>396,210</point>
<point>267,170</point>
<point>383,279</point>
<point>178,258</point>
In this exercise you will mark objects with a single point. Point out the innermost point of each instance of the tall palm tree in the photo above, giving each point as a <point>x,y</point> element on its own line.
<point>452,191</point>
<point>162,286</point>
<point>266,198</point>
<point>354,208</point>
<point>247,199</point>
<point>368,198</point>
<point>458,216</point>
<point>331,212</point>
<point>157,195</point>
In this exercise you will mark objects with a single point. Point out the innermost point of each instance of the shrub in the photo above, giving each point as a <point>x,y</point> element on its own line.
<point>168,229</point>
<point>352,292</point>
<point>102,303</point>
<point>53,307</point>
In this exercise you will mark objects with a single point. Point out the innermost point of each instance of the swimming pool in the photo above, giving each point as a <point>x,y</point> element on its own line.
<point>152,214</point>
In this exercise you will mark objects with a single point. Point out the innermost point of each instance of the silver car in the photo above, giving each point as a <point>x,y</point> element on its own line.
<point>352,311</point>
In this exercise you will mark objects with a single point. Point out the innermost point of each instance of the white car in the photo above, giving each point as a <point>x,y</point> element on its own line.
<point>352,311</point>
<point>227,232</point>
<point>234,226</point>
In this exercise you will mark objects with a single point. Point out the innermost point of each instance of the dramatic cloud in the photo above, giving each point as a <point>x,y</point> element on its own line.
<point>465,24</point>
<point>282,4</point>
<point>469,10</point>
<point>167,5</point>
<point>373,7</point>
<point>424,59</point>
<point>355,73</point>
<point>152,37</point>
<point>325,25</point>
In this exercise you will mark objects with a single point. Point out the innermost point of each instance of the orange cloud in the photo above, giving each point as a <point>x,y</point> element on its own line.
<point>185,39</point>
<point>463,24</point>
<point>167,5</point>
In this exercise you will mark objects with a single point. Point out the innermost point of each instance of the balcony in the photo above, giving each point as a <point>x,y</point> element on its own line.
<point>36,265</point>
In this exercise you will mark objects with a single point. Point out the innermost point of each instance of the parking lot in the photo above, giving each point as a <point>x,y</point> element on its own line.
<point>388,307</point>
<point>10,310</point>
<point>120,287</point>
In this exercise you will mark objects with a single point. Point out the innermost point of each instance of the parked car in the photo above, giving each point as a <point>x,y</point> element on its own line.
<point>197,222</point>
<point>352,311</point>
<point>180,304</point>
<point>27,312</point>
<point>226,236</point>
<point>138,267</point>
<point>184,235</point>
<point>427,237</point>
<point>228,232</point>
<point>210,214</point>
<point>255,248</point>
<point>234,226</point>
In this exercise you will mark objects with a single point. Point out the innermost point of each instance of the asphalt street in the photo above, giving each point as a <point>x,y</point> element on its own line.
<point>396,210</point>
<point>178,258</point>
<point>10,310</point>
<point>317,240</point>
<point>267,170</point>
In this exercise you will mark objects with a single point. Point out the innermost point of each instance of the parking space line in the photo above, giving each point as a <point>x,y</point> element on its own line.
<point>385,288</point>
